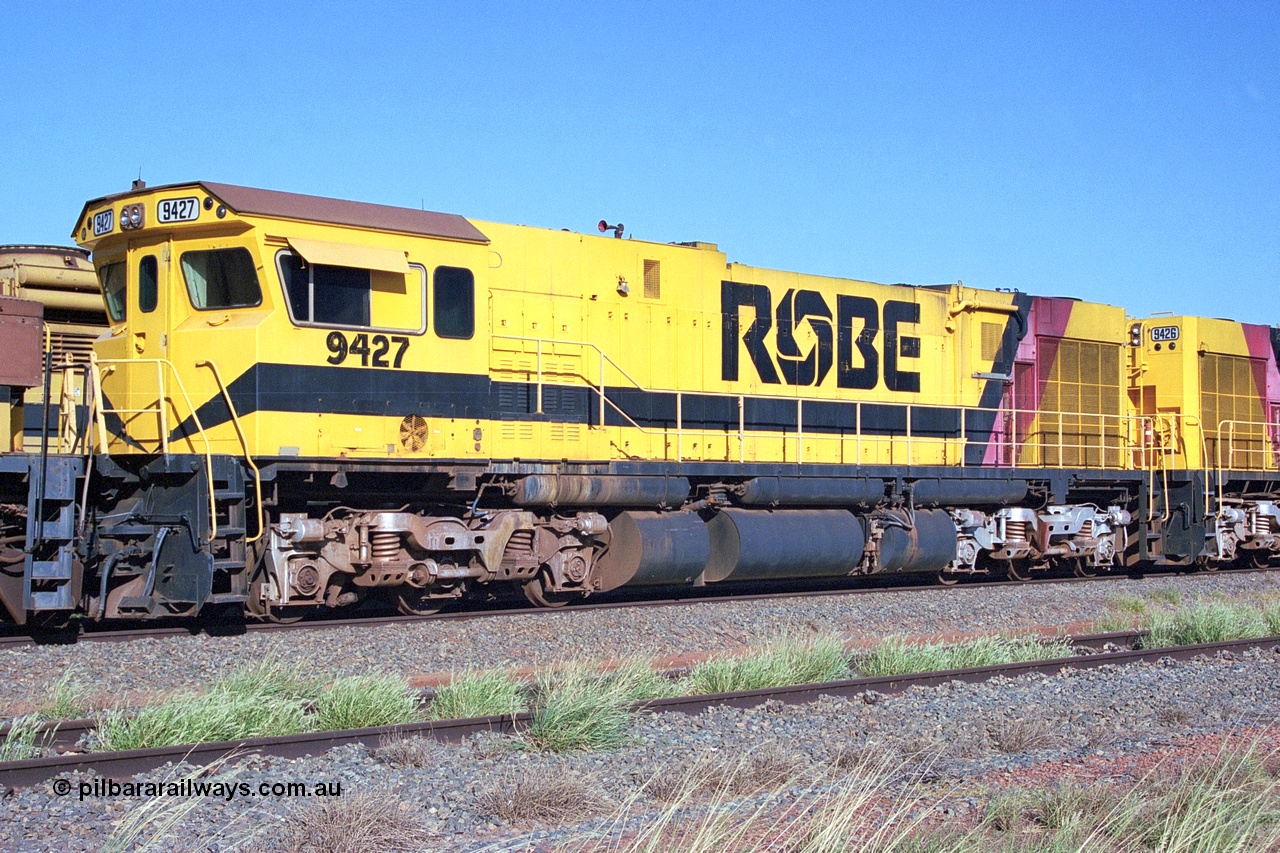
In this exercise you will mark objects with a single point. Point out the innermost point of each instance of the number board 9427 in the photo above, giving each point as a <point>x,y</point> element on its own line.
<point>379,355</point>
<point>178,210</point>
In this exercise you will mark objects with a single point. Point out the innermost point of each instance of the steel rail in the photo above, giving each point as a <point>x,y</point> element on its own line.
<point>120,765</point>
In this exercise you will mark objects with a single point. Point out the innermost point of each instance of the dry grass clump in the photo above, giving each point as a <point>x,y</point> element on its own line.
<point>806,812</point>
<point>544,795</point>
<point>1229,803</point>
<point>1063,808</point>
<point>1015,736</point>
<point>764,769</point>
<point>360,822</point>
<point>1174,715</point>
<point>401,750</point>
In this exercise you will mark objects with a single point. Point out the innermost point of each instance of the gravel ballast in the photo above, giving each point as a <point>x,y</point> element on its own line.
<point>127,673</point>
<point>950,733</point>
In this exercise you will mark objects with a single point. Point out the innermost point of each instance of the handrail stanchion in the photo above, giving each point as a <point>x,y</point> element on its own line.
<point>539,365</point>
<point>910,456</point>
<point>857,424</point>
<point>679,427</point>
<point>799,430</point>
<point>163,418</point>
<point>742,429</point>
<point>162,363</point>
<point>244,444</point>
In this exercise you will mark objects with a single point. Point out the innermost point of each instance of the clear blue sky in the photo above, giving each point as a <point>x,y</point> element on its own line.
<point>1120,152</point>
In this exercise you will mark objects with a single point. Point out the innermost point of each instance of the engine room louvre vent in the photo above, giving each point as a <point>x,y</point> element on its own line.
<point>652,280</point>
<point>413,432</point>
<point>992,338</point>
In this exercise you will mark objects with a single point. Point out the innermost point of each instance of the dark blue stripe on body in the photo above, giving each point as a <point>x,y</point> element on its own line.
<point>311,389</point>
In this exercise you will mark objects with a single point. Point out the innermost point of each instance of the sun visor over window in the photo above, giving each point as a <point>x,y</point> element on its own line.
<point>349,255</point>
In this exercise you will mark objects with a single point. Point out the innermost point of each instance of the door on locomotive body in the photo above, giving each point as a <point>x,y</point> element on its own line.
<point>456,355</point>
<point>134,284</point>
<point>1273,427</point>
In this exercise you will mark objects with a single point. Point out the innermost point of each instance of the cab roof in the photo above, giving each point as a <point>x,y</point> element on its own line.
<point>248,200</point>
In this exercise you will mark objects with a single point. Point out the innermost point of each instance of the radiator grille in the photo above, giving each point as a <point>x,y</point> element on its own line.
<point>652,280</point>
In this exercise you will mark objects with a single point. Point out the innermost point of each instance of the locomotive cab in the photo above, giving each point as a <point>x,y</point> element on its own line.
<point>224,298</point>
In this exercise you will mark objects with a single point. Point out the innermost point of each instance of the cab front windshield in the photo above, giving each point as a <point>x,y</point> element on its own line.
<point>112,279</point>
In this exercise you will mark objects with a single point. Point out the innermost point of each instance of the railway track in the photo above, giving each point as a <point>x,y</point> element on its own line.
<point>1094,651</point>
<point>15,640</point>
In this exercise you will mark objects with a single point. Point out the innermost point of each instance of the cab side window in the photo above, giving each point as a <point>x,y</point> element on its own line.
<point>221,278</point>
<point>148,284</point>
<point>454,302</point>
<point>330,295</point>
<point>324,294</point>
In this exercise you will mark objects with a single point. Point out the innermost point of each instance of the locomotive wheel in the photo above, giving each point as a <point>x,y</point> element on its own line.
<point>1018,570</point>
<point>414,603</point>
<point>1081,568</point>
<point>1206,564</point>
<point>536,591</point>
<point>948,578</point>
<point>274,614</point>
<point>1258,559</point>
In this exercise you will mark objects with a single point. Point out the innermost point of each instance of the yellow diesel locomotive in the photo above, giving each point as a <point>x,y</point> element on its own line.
<point>303,403</point>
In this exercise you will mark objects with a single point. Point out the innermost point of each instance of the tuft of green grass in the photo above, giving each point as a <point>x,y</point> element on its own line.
<point>1165,595</point>
<point>270,679</point>
<point>1271,617</point>
<point>1127,603</point>
<point>20,742</point>
<point>363,701</point>
<point>635,680</point>
<point>1110,623</point>
<point>1211,622</point>
<point>200,719</point>
<point>897,656</point>
<point>477,694</point>
<point>66,698</point>
<point>783,662</point>
<point>578,708</point>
